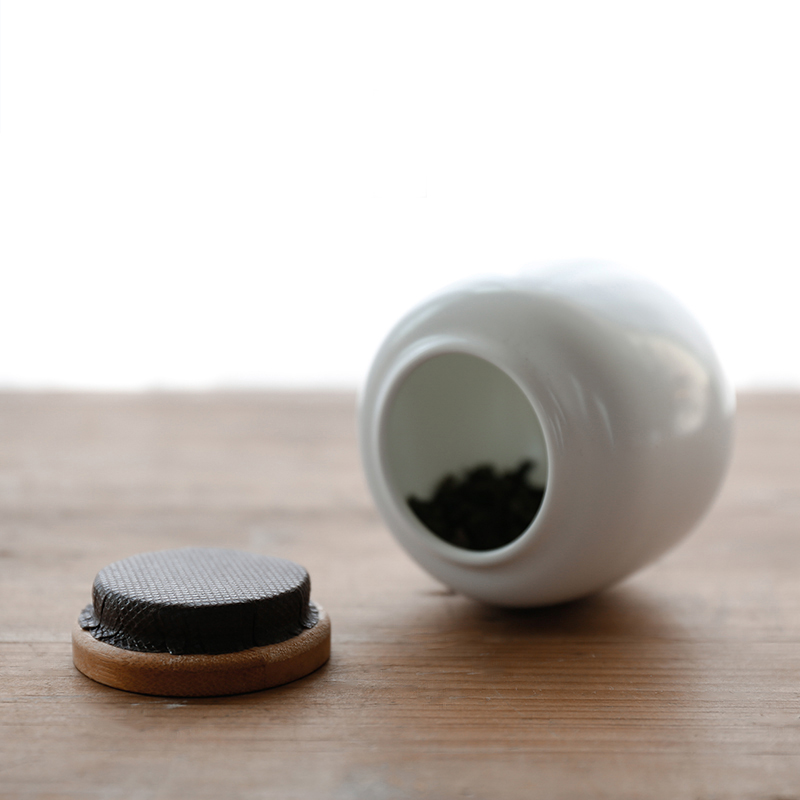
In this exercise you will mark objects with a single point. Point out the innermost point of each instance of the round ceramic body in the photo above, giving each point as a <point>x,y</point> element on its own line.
<point>599,377</point>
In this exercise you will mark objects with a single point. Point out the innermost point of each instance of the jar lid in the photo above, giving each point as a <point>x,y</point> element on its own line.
<point>166,622</point>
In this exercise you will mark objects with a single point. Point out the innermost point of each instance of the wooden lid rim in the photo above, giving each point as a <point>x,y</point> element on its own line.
<point>200,675</point>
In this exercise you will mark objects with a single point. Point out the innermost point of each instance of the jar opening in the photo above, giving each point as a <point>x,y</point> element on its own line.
<point>465,452</point>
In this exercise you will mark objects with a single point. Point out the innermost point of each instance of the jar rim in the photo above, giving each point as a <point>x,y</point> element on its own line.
<point>402,367</point>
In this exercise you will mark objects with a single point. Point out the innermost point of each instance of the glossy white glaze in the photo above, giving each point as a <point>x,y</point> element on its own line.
<point>601,377</point>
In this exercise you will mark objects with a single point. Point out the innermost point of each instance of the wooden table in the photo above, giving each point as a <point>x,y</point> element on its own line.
<point>683,682</point>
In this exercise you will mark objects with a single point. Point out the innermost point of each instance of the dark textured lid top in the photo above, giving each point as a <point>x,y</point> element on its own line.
<point>199,600</point>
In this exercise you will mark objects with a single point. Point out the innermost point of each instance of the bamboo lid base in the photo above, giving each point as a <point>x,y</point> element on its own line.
<point>203,675</point>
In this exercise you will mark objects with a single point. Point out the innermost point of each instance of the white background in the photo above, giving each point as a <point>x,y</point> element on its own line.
<point>198,194</point>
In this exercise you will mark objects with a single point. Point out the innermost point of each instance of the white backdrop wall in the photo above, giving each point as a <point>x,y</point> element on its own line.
<point>204,194</point>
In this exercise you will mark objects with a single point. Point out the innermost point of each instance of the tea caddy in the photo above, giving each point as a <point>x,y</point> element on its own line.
<point>600,377</point>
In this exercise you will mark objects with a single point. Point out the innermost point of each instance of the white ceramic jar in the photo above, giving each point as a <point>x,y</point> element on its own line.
<point>600,377</point>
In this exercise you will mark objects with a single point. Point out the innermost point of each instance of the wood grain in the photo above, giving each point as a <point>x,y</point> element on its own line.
<point>683,682</point>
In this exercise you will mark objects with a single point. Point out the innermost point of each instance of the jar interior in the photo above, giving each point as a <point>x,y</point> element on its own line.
<point>451,414</point>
